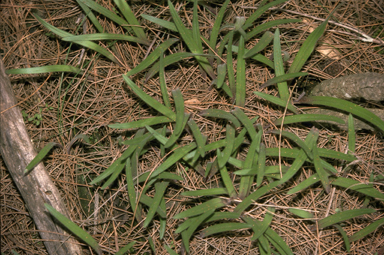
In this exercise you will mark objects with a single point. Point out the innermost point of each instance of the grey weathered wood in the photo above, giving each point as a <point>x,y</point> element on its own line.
<point>37,187</point>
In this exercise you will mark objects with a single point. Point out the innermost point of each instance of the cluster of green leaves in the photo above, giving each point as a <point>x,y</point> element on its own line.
<point>254,178</point>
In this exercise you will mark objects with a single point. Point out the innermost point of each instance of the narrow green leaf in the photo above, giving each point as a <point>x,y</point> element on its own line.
<point>301,213</point>
<point>131,189</point>
<point>276,100</point>
<point>259,12</point>
<point>152,57</point>
<point>217,113</point>
<point>87,44</point>
<point>223,227</point>
<point>307,118</point>
<point>265,40</point>
<point>345,237</point>
<point>79,232</point>
<point>112,178</point>
<point>282,78</point>
<point>261,165</point>
<point>125,249</point>
<point>345,106</point>
<point>152,244</point>
<point>227,182</point>
<point>245,121</point>
<point>268,25</point>
<point>342,216</point>
<point>195,26</point>
<point>258,57</point>
<point>130,17</point>
<point>186,235</point>
<point>258,227</point>
<point>163,221</point>
<point>279,69</point>
<point>205,192</point>
<point>278,242</point>
<point>351,135</point>
<point>214,203</point>
<point>148,201</point>
<point>176,156</point>
<point>163,84</point>
<point>295,139</point>
<point>230,137</point>
<point>221,73</point>
<point>104,36</point>
<point>181,117</point>
<point>216,26</point>
<point>141,123</point>
<point>230,68</point>
<point>36,160</point>
<point>367,230</point>
<point>91,16</point>
<point>149,100</point>
<point>45,69</point>
<point>308,46</point>
<point>166,24</point>
<point>304,184</point>
<point>358,186</point>
<point>240,75</point>
<point>320,170</point>
<point>169,250</point>
<point>200,139</point>
<point>159,137</point>
<point>160,188</point>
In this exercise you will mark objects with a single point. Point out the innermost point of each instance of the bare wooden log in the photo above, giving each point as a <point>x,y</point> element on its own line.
<point>37,187</point>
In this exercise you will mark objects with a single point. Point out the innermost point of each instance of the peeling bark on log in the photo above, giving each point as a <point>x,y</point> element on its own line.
<point>37,187</point>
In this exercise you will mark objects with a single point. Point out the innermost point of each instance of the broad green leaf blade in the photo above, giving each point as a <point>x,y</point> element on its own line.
<point>227,182</point>
<point>358,186</point>
<point>347,106</point>
<point>45,69</point>
<point>245,121</point>
<point>221,73</point>
<point>131,189</point>
<point>320,170</point>
<point>301,213</point>
<point>36,160</point>
<point>166,24</point>
<point>130,17</point>
<point>200,139</point>
<point>178,130</point>
<point>149,100</point>
<point>279,69</point>
<point>265,40</point>
<point>223,227</point>
<point>205,192</point>
<point>79,232</point>
<point>254,196</point>
<point>268,25</point>
<point>367,230</point>
<point>214,203</point>
<point>176,156</point>
<point>125,249</point>
<point>217,113</point>
<point>304,184</point>
<point>345,237</point>
<point>260,165</point>
<point>152,57</point>
<point>300,158</point>
<point>216,26</point>
<point>230,137</point>
<point>87,44</point>
<point>141,123</point>
<point>351,135</point>
<point>163,84</point>
<point>276,100</point>
<point>307,118</point>
<point>159,137</point>
<point>240,75</point>
<point>104,36</point>
<point>91,16</point>
<point>295,139</point>
<point>282,78</point>
<point>160,188</point>
<point>193,46</point>
<point>187,234</point>
<point>308,46</point>
<point>342,216</point>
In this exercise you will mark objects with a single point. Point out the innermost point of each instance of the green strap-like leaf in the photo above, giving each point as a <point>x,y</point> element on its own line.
<point>260,165</point>
<point>79,232</point>
<point>279,69</point>
<point>307,118</point>
<point>282,78</point>
<point>45,69</point>
<point>268,25</point>
<point>163,84</point>
<point>205,192</point>
<point>367,230</point>
<point>304,184</point>
<point>342,216</point>
<point>91,16</point>
<point>36,160</point>
<point>152,57</point>
<point>245,121</point>
<point>130,17</point>
<point>131,189</point>
<point>149,100</point>
<point>141,123</point>
<point>277,101</point>
<point>214,203</point>
<point>240,74</point>
<point>160,188</point>
<point>345,106</point>
<point>358,186</point>
<point>125,249</point>
<point>104,36</point>
<point>181,118</point>
<point>217,113</point>
<point>320,170</point>
<point>265,40</point>
<point>223,227</point>
<point>301,213</point>
<point>200,139</point>
<point>230,137</point>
